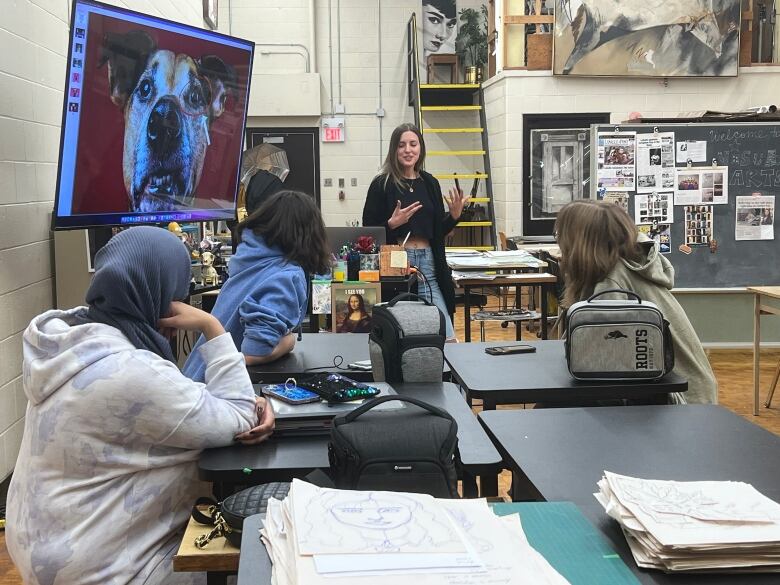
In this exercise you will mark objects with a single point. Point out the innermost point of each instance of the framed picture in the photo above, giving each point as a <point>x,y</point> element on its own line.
<point>210,12</point>
<point>678,38</point>
<point>352,304</point>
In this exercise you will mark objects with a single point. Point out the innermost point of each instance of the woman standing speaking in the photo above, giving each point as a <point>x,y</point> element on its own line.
<point>408,202</point>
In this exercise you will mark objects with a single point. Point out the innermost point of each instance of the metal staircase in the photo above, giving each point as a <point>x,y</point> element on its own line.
<point>450,116</point>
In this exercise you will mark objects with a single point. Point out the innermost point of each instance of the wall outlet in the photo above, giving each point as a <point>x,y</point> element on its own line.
<point>342,183</point>
<point>328,182</point>
<point>353,181</point>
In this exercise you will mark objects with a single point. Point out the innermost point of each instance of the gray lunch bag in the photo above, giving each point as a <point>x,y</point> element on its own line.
<point>617,339</point>
<point>406,342</point>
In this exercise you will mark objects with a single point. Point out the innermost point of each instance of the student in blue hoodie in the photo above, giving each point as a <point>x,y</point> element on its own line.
<point>265,297</point>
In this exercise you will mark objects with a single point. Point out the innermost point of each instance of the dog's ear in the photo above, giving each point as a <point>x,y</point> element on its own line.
<point>126,55</point>
<point>223,81</point>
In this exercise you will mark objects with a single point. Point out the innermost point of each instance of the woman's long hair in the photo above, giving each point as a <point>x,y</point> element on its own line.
<point>391,168</point>
<point>292,222</point>
<point>593,237</point>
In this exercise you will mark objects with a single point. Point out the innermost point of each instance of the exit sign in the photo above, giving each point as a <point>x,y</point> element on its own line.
<point>333,129</point>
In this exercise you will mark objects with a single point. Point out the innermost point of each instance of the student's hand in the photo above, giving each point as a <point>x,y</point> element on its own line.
<point>188,318</point>
<point>265,425</point>
<point>456,201</point>
<point>401,215</point>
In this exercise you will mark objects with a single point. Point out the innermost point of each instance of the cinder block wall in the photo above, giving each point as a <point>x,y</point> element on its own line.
<point>33,44</point>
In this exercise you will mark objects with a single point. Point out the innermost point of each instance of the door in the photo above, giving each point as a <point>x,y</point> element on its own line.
<point>302,146</point>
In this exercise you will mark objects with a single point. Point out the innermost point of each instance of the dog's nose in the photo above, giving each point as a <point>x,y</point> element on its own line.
<point>164,127</point>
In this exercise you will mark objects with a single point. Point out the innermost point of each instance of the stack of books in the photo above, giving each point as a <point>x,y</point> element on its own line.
<point>721,526</point>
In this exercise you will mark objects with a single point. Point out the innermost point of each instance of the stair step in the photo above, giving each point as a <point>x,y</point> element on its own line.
<point>450,108</point>
<point>451,130</point>
<point>455,153</point>
<point>449,86</point>
<point>475,224</point>
<point>463,176</point>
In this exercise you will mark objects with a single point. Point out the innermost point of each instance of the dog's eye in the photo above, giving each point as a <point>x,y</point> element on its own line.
<point>195,97</point>
<point>145,89</point>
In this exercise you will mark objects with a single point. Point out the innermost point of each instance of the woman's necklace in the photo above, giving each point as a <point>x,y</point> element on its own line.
<point>410,184</point>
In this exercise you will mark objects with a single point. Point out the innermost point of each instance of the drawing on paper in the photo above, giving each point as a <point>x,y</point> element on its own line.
<point>670,503</point>
<point>661,38</point>
<point>369,522</point>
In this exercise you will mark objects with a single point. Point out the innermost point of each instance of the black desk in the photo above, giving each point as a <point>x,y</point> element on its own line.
<point>537,377</point>
<point>281,459</point>
<point>318,350</point>
<point>254,567</point>
<point>560,454</point>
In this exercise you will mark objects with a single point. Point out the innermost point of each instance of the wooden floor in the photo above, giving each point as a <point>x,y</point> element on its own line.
<point>733,370</point>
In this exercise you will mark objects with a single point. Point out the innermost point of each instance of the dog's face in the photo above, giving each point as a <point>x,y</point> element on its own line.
<point>207,258</point>
<point>169,101</point>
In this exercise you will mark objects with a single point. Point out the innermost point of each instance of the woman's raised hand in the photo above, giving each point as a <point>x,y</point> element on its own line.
<point>456,201</point>
<point>401,215</point>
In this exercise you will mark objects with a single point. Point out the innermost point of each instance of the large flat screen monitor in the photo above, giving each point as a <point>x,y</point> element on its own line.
<point>153,120</point>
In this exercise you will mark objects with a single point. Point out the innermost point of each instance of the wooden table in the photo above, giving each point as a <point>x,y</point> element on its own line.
<point>759,308</point>
<point>218,559</point>
<point>544,280</point>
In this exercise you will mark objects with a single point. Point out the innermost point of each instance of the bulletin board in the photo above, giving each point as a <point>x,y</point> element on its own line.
<point>745,155</point>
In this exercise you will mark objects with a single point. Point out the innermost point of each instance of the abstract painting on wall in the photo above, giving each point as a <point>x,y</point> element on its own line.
<point>656,38</point>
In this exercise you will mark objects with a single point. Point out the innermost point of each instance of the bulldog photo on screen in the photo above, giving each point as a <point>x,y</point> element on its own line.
<point>169,102</point>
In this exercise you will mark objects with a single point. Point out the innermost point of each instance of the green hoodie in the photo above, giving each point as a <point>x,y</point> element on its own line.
<point>653,280</point>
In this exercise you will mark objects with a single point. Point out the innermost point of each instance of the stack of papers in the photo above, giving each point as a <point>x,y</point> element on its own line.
<point>319,535</point>
<point>694,526</point>
<point>460,275</point>
<point>512,257</point>
<point>462,253</point>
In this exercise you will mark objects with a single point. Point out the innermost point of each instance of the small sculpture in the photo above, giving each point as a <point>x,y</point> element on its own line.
<point>208,275</point>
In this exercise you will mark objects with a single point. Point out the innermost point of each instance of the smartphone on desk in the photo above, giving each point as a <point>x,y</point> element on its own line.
<point>290,394</point>
<point>509,349</point>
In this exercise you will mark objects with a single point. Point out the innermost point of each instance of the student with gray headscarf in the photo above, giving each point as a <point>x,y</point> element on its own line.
<point>106,474</point>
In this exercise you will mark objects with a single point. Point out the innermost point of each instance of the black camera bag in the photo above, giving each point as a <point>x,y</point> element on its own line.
<point>408,450</point>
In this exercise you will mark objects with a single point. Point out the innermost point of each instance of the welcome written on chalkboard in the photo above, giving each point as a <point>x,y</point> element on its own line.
<point>750,164</point>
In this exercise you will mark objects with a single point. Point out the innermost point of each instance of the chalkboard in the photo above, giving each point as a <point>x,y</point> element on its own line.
<point>750,150</point>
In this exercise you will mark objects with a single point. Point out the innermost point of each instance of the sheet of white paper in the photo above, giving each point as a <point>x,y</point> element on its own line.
<point>331,521</point>
<point>693,150</point>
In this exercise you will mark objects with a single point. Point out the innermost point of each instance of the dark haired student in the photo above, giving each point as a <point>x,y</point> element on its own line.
<point>407,201</point>
<point>265,297</point>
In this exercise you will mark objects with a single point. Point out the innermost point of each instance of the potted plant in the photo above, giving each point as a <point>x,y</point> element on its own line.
<point>471,44</point>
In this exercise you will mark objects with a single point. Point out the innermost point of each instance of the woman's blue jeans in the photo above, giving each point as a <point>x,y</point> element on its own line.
<point>422,259</point>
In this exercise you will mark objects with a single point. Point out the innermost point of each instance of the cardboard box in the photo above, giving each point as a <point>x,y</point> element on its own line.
<point>539,55</point>
<point>392,260</point>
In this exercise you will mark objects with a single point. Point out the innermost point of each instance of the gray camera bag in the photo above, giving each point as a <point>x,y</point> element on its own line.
<point>617,339</point>
<point>406,342</point>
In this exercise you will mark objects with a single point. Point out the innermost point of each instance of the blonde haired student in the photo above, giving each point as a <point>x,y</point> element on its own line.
<point>601,249</point>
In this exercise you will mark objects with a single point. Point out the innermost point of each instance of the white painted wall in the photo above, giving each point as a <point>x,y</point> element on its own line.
<point>33,43</point>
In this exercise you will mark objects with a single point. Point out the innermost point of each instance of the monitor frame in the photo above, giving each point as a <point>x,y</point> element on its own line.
<point>85,221</point>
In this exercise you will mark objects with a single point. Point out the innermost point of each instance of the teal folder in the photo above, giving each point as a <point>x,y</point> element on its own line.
<point>570,543</point>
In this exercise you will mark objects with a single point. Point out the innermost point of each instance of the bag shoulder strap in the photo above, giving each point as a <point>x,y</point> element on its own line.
<point>628,293</point>
<point>199,516</point>
<point>351,416</point>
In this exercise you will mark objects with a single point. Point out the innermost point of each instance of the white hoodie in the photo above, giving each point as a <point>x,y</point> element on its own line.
<point>107,471</point>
